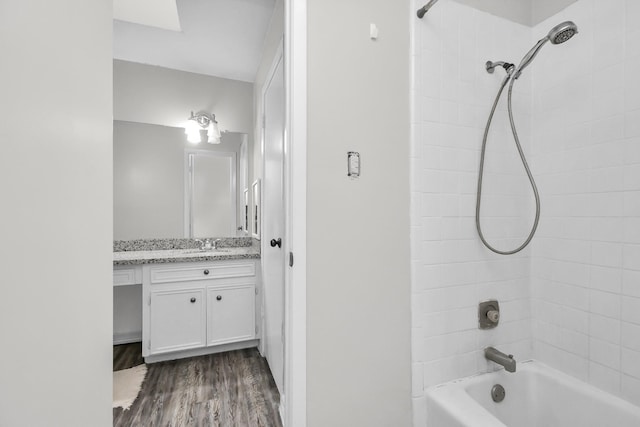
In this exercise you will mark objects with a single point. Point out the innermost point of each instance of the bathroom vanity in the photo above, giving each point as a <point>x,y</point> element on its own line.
<point>194,302</point>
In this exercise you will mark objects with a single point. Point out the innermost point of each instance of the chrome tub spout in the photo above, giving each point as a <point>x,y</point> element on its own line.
<point>500,358</point>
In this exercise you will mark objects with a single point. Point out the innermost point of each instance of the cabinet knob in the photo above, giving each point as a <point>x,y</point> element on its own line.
<point>219,298</point>
<point>206,272</point>
<point>193,300</point>
<point>275,242</point>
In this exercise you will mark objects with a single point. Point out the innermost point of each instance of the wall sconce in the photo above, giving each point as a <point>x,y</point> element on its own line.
<point>202,121</point>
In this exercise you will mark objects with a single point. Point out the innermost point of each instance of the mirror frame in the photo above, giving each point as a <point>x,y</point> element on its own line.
<point>256,211</point>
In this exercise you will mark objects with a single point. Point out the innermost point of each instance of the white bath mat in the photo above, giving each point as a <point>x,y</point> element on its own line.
<point>126,385</point>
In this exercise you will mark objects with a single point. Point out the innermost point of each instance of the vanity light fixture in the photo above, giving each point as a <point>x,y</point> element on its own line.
<point>202,121</point>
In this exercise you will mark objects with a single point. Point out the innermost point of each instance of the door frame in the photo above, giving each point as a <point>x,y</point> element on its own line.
<point>295,77</point>
<point>294,51</point>
<point>187,221</point>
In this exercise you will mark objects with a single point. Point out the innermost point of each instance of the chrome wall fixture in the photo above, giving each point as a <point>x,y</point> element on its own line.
<point>199,122</point>
<point>424,9</point>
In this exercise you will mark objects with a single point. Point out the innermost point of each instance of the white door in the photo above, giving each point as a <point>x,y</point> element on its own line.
<point>273,226</point>
<point>210,194</point>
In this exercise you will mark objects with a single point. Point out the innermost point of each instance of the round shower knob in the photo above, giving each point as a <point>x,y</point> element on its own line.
<point>493,316</point>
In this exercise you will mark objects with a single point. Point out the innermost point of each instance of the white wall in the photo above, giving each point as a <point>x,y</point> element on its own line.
<point>526,12</point>
<point>451,270</point>
<point>543,9</point>
<point>517,11</point>
<point>358,288</point>
<point>272,43</point>
<point>56,170</point>
<point>586,265</point>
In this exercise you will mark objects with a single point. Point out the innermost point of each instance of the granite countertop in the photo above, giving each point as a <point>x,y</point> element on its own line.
<point>135,254</point>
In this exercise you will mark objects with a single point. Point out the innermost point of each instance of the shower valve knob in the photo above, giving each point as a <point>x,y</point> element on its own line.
<point>493,316</point>
<point>488,314</point>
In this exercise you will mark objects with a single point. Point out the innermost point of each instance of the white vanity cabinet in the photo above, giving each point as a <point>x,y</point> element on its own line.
<point>231,312</point>
<point>176,320</point>
<point>195,308</point>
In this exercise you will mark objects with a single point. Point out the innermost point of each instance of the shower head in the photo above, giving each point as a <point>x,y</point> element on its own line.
<point>558,34</point>
<point>562,32</point>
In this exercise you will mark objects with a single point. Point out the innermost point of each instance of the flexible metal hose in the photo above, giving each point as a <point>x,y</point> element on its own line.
<point>524,163</point>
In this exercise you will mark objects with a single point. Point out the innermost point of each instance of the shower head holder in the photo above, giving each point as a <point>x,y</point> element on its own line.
<point>490,66</point>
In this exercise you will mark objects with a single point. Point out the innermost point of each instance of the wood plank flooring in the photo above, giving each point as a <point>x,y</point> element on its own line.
<point>223,390</point>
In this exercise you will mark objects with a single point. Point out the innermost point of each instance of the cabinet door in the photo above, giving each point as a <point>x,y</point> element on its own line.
<point>230,314</point>
<point>177,320</point>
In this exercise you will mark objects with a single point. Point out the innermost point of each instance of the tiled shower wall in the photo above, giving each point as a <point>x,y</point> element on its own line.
<point>572,299</point>
<point>451,270</point>
<point>586,155</point>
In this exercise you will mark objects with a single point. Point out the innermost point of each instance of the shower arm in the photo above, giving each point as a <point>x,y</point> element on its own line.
<point>424,9</point>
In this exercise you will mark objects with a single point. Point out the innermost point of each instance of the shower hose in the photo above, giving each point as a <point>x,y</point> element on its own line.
<point>507,78</point>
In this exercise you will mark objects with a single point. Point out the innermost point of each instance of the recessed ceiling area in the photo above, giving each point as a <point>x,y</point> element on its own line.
<point>222,38</point>
<point>154,13</point>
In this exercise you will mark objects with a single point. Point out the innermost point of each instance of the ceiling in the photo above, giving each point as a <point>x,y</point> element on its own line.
<point>164,15</point>
<point>222,38</point>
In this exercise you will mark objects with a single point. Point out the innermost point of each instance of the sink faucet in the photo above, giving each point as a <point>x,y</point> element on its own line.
<point>500,358</point>
<point>207,244</point>
<point>204,245</point>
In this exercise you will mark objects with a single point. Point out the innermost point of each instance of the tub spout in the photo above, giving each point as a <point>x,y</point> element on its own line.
<point>500,358</point>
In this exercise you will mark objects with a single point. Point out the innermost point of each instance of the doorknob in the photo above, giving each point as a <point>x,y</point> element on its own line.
<point>275,243</point>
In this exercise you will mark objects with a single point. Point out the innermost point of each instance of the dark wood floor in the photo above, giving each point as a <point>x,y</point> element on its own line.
<point>226,389</point>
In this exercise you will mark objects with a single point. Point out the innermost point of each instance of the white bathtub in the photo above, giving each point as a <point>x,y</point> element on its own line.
<point>536,396</point>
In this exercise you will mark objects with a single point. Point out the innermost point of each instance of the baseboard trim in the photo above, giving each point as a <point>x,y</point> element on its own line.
<point>201,351</point>
<point>127,338</point>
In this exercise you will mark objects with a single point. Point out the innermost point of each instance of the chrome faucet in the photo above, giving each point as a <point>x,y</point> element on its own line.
<point>204,245</point>
<point>207,244</point>
<point>500,358</point>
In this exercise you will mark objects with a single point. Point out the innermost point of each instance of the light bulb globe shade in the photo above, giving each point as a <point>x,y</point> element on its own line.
<point>192,129</point>
<point>213,133</point>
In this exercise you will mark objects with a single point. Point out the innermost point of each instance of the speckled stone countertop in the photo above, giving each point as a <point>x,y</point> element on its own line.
<point>158,251</point>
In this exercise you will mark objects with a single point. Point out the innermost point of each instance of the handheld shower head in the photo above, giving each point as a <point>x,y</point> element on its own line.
<point>562,32</point>
<point>558,34</point>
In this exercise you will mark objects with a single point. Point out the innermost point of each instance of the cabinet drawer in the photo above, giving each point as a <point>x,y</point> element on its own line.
<point>201,272</point>
<point>127,276</point>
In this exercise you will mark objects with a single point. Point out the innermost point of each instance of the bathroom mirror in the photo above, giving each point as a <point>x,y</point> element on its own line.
<point>151,184</point>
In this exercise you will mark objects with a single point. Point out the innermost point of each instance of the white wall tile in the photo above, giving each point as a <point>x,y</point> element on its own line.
<point>630,389</point>
<point>572,299</point>
<point>604,353</point>
<point>630,310</point>
<point>605,328</point>
<point>630,362</point>
<point>604,377</point>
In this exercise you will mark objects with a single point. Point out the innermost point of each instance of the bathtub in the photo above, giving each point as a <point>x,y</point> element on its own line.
<point>536,396</point>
